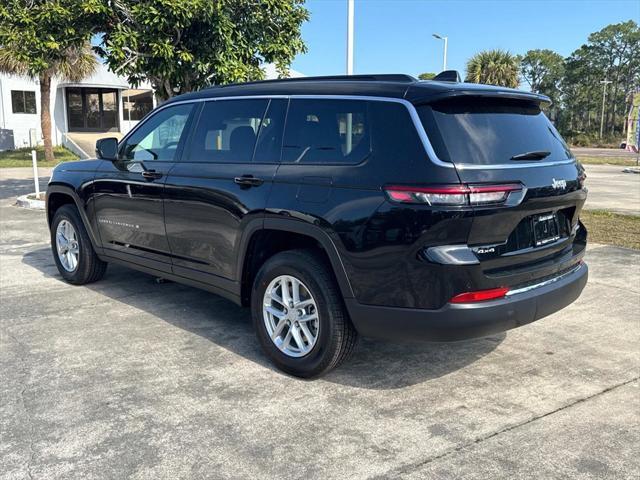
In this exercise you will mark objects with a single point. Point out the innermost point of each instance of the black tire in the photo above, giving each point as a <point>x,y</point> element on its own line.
<point>90,268</point>
<point>337,336</point>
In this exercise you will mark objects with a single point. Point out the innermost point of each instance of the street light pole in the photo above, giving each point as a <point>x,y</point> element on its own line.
<point>350,15</point>
<point>446,41</point>
<point>604,83</point>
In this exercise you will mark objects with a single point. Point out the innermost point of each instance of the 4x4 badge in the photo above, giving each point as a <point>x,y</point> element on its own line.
<point>559,184</point>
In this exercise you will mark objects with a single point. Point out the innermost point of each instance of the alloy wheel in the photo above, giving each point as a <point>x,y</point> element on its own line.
<point>290,316</point>
<point>67,246</point>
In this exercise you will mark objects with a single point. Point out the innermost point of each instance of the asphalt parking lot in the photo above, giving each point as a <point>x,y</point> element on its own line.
<point>610,188</point>
<point>128,378</point>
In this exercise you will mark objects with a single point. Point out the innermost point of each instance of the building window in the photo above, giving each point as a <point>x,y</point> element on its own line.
<point>137,103</point>
<point>23,101</point>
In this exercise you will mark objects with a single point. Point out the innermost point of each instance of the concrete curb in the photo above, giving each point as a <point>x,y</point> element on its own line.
<point>25,202</point>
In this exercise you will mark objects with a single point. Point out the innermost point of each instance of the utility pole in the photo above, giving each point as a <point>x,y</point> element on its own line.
<point>350,15</point>
<point>604,83</point>
<point>349,119</point>
<point>444,58</point>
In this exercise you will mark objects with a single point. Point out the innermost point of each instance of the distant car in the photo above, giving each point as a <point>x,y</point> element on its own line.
<point>377,205</point>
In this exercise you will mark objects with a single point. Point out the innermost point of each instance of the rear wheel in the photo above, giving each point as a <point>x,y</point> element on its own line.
<point>299,315</point>
<point>73,253</point>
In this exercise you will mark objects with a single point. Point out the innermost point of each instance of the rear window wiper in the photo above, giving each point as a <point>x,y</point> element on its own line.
<point>535,155</point>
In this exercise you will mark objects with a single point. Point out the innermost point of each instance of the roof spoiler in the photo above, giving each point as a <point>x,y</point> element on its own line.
<point>448,76</point>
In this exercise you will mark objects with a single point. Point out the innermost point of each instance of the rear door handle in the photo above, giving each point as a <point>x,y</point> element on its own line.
<point>248,181</point>
<point>151,175</point>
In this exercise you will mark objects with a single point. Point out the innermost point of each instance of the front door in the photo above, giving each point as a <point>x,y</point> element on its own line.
<point>128,193</point>
<point>221,185</point>
<point>92,109</point>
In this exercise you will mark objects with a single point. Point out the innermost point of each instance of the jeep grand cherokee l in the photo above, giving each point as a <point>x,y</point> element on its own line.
<point>333,206</point>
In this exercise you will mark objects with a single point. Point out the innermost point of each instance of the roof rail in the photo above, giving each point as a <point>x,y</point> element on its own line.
<point>380,77</point>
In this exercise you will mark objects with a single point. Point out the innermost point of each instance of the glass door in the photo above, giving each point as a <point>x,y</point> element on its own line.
<point>75,112</point>
<point>92,110</point>
<point>110,111</point>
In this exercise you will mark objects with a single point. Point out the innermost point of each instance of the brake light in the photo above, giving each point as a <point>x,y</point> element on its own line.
<point>480,295</point>
<point>458,195</point>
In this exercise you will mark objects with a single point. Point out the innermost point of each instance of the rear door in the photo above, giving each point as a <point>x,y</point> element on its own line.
<point>508,141</point>
<point>221,185</point>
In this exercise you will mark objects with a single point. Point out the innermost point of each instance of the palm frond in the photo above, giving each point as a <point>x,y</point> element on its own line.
<point>11,64</point>
<point>76,64</point>
<point>493,67</point>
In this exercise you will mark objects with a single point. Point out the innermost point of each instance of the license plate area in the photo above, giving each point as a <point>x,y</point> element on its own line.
<point>546,229</point>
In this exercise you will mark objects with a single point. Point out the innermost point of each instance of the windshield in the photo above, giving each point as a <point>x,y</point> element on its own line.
<point>489,131</point>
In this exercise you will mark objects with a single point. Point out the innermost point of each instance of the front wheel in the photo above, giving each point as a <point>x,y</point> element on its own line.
<point>73,253</point>
<point>299,315</point>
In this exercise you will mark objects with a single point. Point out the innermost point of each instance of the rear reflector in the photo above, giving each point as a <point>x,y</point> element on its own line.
<point>480,295</point>
<point>459,195</point>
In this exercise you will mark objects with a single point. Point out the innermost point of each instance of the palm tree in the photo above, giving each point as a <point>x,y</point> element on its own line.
<point>73,65</point>
<point>493,67</point>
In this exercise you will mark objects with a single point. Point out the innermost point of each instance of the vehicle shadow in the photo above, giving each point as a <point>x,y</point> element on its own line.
<point>375,364</point>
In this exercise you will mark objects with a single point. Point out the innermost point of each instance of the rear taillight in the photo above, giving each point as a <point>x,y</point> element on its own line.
<point>480,295</point>
<point>456,195</point>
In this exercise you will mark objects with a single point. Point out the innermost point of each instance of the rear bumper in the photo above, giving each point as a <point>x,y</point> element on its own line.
<point>463,321</point>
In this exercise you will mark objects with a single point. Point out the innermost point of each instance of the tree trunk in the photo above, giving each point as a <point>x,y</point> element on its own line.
<point>45,116</point>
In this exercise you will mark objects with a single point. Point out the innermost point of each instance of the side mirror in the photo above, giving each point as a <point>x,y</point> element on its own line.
<point>107,149</point>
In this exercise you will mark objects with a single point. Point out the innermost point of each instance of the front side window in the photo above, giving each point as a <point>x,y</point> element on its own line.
<point>158,138</point>
<point>23,101</point>
<point>227,131</point>
<point>327,131</point>
<point>269,145</point>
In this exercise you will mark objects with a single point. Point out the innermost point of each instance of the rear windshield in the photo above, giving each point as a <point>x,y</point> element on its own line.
<point>491,131</point>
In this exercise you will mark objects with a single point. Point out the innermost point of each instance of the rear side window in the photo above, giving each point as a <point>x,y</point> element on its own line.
<point>227,131</point>
<point>487,131</point>
<point>327,131</point>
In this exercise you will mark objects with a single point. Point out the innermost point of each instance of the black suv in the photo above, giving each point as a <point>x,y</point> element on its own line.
<point>332,206</point>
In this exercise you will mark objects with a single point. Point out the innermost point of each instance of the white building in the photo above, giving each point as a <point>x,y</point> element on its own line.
<point>101,103</point>
<point>105,103</point>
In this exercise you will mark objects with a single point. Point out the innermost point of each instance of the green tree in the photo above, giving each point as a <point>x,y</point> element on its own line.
<point>427,76</point>
<point>47,38</point>
<point>493,67</point>
<point>543,71</point>
<point>612,53</point>
<point>184,45</point>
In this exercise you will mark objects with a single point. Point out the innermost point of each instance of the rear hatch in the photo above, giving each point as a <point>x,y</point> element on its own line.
<point>509,141</point>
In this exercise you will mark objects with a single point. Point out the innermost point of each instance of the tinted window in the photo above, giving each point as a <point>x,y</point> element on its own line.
<point>23,101</point>
<point>327,131</point>
<point>490,131</point>
<point>227,131</point>
<point>271,130</point>
<point>158,138</point>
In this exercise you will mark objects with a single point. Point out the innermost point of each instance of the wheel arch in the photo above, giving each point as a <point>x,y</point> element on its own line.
<point>61,194</point>
<point>281,235</point>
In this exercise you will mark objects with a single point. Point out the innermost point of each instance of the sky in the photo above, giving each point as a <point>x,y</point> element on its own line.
<point>395,36</point>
